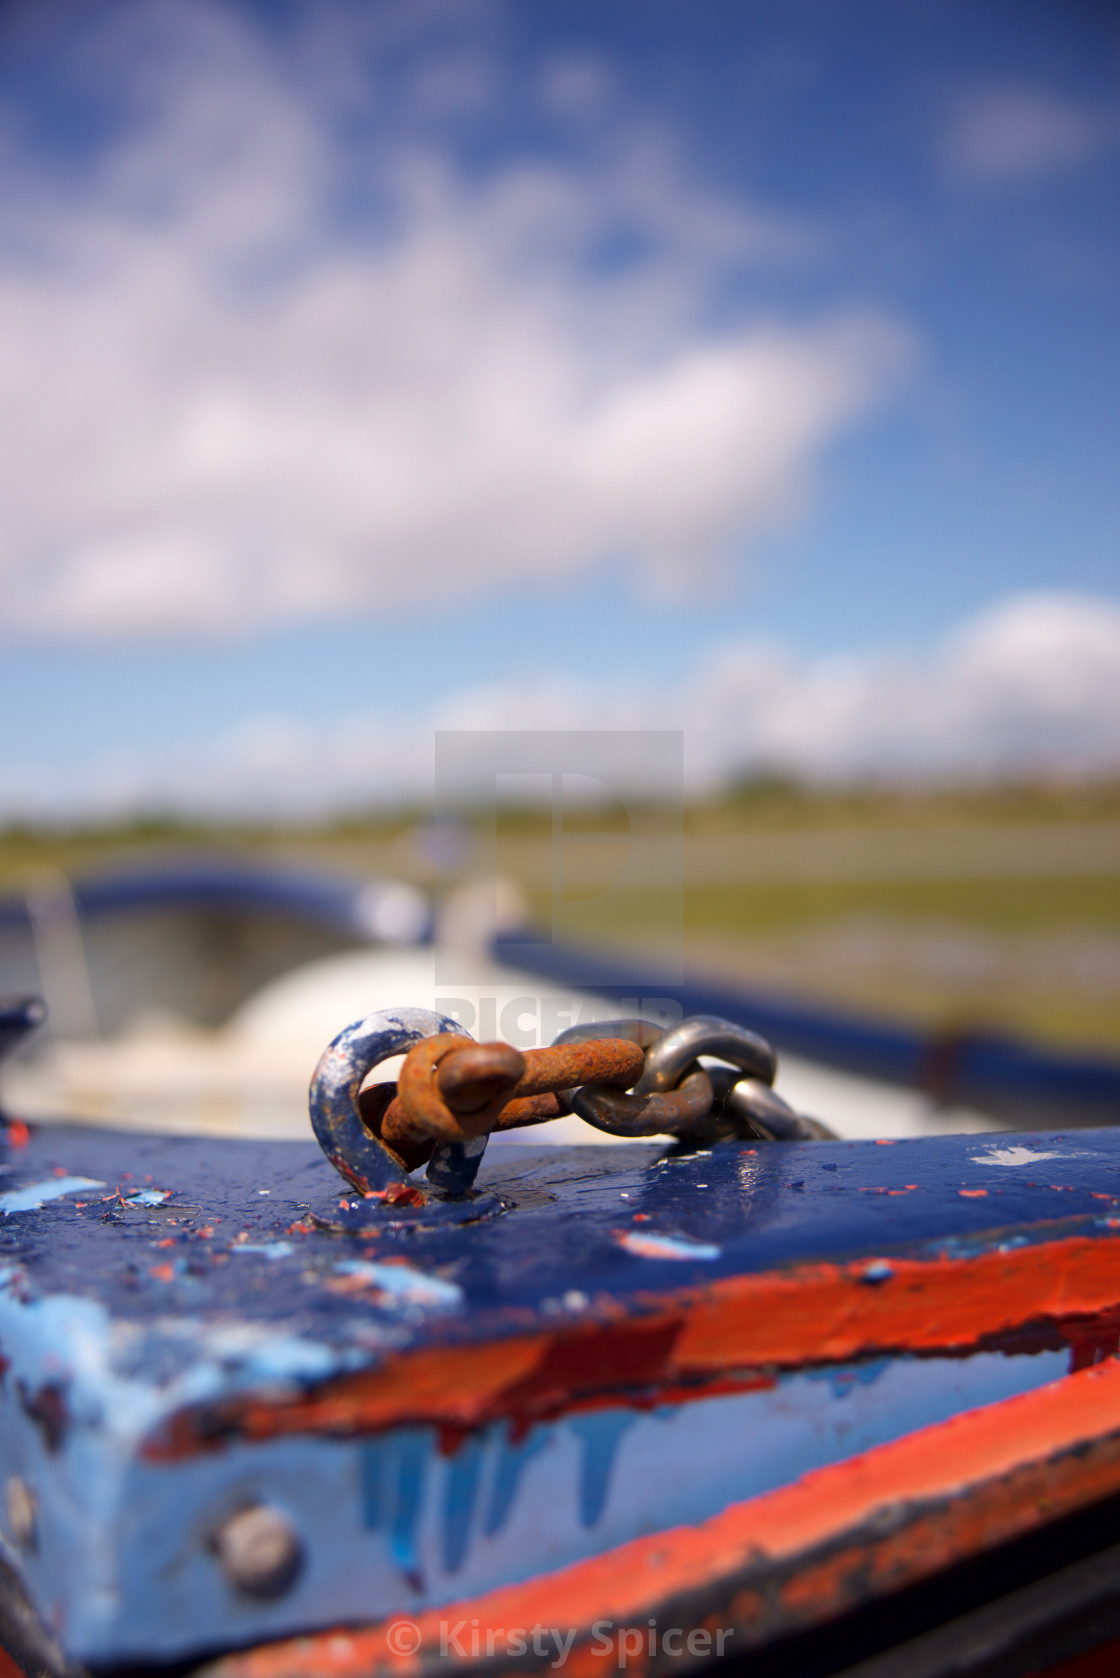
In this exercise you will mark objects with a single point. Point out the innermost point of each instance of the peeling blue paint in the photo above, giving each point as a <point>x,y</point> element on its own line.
<point>459,1497</point>
<point>372,1483</point>
<point>513,1456</point>
<point>393,1473</point>
<point>600,1432</point>
<point>394,1523</point>
<point>411,1452</point>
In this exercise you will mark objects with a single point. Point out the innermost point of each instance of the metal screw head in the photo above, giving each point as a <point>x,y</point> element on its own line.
<point>259,1551</point>
<point>22,1513</point>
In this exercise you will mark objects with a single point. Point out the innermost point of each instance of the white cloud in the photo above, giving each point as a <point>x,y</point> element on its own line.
<point>225,404</point>
<point>997,135</point>
<point>1030,685</point>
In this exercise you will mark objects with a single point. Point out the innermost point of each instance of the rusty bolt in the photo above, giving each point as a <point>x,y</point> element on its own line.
<point>22,1512</point>
<point>259,1551</point>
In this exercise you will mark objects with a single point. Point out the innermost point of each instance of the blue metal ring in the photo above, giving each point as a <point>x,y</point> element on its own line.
<point>355,1154</point>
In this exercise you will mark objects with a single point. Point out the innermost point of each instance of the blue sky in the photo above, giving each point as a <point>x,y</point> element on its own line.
<point>374,366</point>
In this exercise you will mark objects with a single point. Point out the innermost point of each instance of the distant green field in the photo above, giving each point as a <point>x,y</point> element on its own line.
<point>745,909</point>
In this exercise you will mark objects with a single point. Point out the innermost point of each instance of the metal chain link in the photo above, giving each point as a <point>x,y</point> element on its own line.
<point>642,1080</point>
<point>702,1081</point>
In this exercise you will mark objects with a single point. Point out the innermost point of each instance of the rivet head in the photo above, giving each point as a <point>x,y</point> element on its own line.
<point>259,1551</point>
<point>22,1513</point>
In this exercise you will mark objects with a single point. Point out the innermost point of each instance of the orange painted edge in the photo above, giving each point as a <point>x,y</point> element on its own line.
<point>796,1556</point>
<point>740,1325</point>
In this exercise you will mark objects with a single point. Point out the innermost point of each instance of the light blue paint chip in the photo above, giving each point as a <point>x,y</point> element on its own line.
<point>403,1285</point>
<point>666,1246</point>
<point>34,1195</point>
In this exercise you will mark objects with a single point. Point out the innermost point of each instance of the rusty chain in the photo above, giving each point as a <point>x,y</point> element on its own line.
<point>640,1081</point>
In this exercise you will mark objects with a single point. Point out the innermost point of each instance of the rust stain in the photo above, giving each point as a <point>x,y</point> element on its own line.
<point>804,1553</point>
<point>607,1060</point>
<point>733,1330</point>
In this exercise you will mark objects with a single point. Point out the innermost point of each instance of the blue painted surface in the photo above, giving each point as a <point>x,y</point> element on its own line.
<point>118,1309</point>
<point>512,1458</point>
<point>600,1432</point>
<point>1001,1075</point>
<point>763,1205</point>
<point>460,1498</point>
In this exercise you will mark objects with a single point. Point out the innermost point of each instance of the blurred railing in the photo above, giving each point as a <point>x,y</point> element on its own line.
<point>1016,1082</point>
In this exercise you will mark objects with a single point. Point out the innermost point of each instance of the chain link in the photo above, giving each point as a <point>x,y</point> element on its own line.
<point>702,1081</point>
<point>640,1081</point>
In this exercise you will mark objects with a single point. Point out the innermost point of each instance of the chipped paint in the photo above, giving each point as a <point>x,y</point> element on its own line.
<point>535,1362</point>
<point>1016,1155</point>
<point>403,1285</point>
<point>666,1246</point>
<point>33,1196</point>
<point>794,1557</point>
<point>723,1330</point>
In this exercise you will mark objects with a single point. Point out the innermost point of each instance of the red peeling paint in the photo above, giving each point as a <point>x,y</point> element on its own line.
<point>1102,1662</point>
<point>730,1330</point>
<point>8,1667</point>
